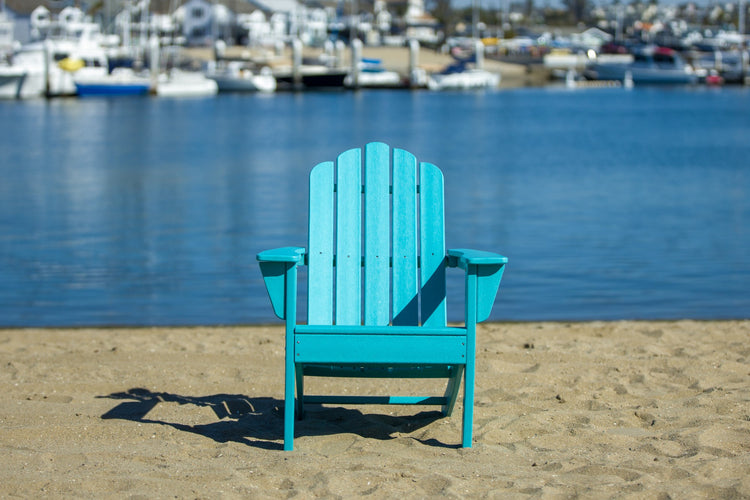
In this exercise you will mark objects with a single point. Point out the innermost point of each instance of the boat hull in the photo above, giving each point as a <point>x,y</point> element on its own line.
<point>256,83</point>
<point>186,84</point>
<point>464,80</point>
<point>11,84</point>
<point>650,76</point>
<point>313,79</point>
<point>104,89</point>
<point>375,80</point>
<point>121,82</point>
<point>651,65</point>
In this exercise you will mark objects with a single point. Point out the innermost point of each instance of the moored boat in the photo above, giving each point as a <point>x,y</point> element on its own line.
<point>311,77</point>
<point>121,82</point>
<point>50,67</point>
<point>371,73</point>
<point>235,76</point>
<point>178,83</point>
<point>60,49</point>
<point>11,77</point>
<point>11,81</point>
<point>650,65</point>
<point>466,73</point>
<point>465,80</point>
<point>459,77</point>
<point>726,66</point>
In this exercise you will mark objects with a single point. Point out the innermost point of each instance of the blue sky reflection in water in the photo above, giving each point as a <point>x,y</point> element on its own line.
<point>610,203</point>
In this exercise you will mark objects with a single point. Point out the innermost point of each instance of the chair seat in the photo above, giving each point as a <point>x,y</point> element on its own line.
<point>376,345</point>
<point>390,370</point>
<point>378,330</point>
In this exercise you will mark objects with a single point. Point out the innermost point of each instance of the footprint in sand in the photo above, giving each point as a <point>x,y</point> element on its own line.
<point>53,398</point>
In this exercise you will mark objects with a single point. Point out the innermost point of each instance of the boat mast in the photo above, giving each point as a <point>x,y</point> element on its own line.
<point>475,19</point>
<point>354,21</point>
<point>743,40</point>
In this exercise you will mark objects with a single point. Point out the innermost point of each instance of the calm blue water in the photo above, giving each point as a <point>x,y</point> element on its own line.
<point>610,203</point>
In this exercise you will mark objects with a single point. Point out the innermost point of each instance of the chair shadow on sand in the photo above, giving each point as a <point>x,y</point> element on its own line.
<point>259,422</point>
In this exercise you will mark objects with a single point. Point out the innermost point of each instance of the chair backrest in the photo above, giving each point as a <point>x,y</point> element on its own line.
<point>376,250</point>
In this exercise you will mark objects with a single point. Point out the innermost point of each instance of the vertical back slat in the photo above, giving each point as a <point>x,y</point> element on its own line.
<point>349,238</point>
<point>377,234</point>
<point>432,245</point>
<point>320,246</point>
<point>405,284</point>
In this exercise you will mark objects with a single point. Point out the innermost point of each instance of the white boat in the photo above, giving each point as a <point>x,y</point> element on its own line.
<point>466,73</point>
<point>730,66</point>
<point>11,77</point>
<point>11,81</point>
<point>179,83</point>
<point>464,79</point>
<point>49,65</point>
<point>235,76</point>
<point>372,74</point>
<point>650,65</point>
<point>121,82</point>
<point>310,76</point>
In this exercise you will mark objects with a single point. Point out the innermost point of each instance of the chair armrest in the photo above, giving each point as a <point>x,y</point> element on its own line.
<point>284,254</point>
<point>484,270</point>
<point>279,267</point>
<point>461,257</point>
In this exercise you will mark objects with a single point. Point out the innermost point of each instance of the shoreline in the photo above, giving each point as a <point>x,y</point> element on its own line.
<point>393,58</point>
<point>279,324</point>
<point>602,409</point>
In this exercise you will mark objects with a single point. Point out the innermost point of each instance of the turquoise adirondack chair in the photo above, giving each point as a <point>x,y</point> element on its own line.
<point>376,285</point>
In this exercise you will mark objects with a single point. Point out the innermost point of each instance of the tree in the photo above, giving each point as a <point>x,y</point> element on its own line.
<point>443,12</point>
<point>576,8</point>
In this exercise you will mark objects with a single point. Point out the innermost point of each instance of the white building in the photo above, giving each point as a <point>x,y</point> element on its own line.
<point>255,27</point>
<point>414,10</point>
<point>196,22</point>
<point>420,25</point>
<point>277,21</point>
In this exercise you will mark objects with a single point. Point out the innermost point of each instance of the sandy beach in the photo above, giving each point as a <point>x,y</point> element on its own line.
<point>596,410</point>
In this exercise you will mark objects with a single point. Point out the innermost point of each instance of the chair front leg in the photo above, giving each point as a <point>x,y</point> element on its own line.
<point>290,310</point>
<point>469,372</point>
<point>289,408</point>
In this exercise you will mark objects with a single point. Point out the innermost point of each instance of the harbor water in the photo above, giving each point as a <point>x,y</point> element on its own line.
<point>609,203</point>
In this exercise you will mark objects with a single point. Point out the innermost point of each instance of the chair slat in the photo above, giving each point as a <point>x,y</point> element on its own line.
<point>432,245</point>
<point>349,238</point>
<point>320,246</point>
<point>405,283</point>
<point>377,234</point>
